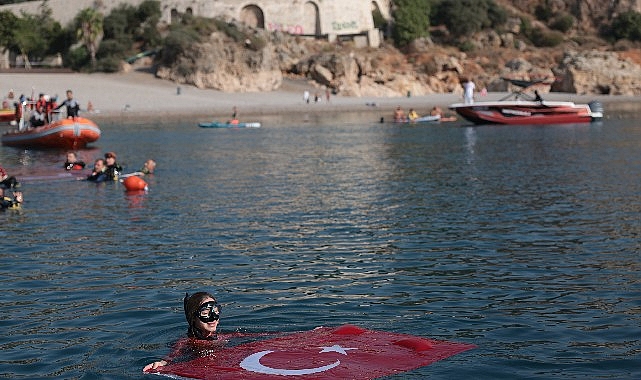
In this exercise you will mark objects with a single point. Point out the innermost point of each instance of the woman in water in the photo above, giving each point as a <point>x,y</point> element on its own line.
<point>202,312</point>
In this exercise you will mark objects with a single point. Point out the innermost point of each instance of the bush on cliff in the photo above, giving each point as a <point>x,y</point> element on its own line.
<point>465,17</point>
<point>626,25</point>
<point>411,21</point>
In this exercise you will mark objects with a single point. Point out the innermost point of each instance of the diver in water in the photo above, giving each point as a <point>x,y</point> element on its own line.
<point>7,203</point>
<point>7,181</point>
<point>73,163</point>
<point>202,312</point>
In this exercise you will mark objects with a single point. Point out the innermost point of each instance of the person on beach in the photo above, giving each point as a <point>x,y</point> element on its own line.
<point>72,105</point>
<point>202,313</point>
<point>468,91</point>
<point>113,169</point>
<point>9,203</point>
<point>99,171</point>
<point>73,163</point>
<point>7,181</point>
<point>148,167</point>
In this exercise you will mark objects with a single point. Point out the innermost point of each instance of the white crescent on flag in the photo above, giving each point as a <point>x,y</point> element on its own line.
<point>252,363</point>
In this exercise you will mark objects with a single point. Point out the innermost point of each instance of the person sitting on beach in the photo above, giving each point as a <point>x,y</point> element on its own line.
<point>399,115</point>
<point>113,170</point>
<point>73,163</point>
<point>8,203</point>
<point>72,105</point>
<point>7,181</point>
<point>148,167</point>
<point>202,312</point>
<point>412,115</point>
<point>99,171</point>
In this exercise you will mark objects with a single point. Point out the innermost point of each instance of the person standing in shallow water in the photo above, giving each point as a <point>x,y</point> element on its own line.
<point>202,313</point>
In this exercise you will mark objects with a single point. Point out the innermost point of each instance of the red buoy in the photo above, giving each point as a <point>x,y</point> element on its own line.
<point>134,183</point>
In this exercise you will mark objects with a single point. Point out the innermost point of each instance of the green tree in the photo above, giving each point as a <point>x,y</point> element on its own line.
<point>89,30</point>
<point>465,17</point>
<point>8,26</point>
<point>27,39</point>
<point>626,25</point>
<point>411,20</point>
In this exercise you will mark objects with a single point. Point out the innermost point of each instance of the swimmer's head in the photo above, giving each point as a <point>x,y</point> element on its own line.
<point>193,313</point>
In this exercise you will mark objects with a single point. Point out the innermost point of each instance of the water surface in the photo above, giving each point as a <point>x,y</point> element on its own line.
<point>521,240</point>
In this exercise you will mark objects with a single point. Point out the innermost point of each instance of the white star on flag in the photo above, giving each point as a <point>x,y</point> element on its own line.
<point>336,348</point>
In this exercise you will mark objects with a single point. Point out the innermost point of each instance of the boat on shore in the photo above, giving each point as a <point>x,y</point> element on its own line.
<point>520,108</point>
<point>62,133</point>
<point>228,124</point>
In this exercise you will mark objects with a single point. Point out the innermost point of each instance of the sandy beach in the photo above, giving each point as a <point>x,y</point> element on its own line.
<point>140,95</point>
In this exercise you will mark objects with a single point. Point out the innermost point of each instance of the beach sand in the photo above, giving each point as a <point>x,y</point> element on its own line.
<point>140,95</point>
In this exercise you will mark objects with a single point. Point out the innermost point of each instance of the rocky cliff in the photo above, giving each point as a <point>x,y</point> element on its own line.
<point>590,67</point>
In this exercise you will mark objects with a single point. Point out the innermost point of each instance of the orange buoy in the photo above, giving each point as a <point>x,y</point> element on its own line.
<point>134,183</point>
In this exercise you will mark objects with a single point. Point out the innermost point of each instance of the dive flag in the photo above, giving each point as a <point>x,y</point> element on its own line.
<point>346,352</point>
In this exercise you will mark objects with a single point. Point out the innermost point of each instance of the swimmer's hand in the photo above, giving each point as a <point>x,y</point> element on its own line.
<point>154,365</point>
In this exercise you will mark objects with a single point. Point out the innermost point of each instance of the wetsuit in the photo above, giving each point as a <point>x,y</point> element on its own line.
<point>7,181</point>
<point>78,165</point>
<point>98,177</point>
<point>7,202</point>
<point>113,171</point>
<point>72,107</point>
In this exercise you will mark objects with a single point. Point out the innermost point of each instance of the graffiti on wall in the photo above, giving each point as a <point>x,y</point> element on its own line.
<point>291,29</point>
<point>345,25</point>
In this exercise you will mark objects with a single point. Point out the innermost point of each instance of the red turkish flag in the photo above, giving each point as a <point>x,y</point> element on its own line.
<point>346,352</point>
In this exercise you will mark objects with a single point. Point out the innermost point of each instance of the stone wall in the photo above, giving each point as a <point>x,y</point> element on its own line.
<point>326,18</point>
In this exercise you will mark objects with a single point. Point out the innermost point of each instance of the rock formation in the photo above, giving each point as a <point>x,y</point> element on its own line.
<point>224,64</point>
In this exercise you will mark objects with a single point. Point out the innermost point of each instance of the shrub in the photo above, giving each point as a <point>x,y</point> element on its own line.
<point>562,23</point>
<point>230,29</point>
<point>543,12</point>
<point>411,21</point>
<point>626,25</point>
<point>465,17</point>
<point>178,40</point>
<point>541,38</point>
<point>111,48</point>
<point>77,58</point>
<point>110,64</point>
<point>466,46</point>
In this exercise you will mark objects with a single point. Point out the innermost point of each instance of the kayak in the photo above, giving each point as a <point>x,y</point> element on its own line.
<point>221,124</point>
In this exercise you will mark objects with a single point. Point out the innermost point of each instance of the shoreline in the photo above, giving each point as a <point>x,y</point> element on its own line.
<point>141,97</point>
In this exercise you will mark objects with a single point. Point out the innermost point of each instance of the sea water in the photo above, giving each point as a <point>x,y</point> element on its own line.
<point>523,240</point>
